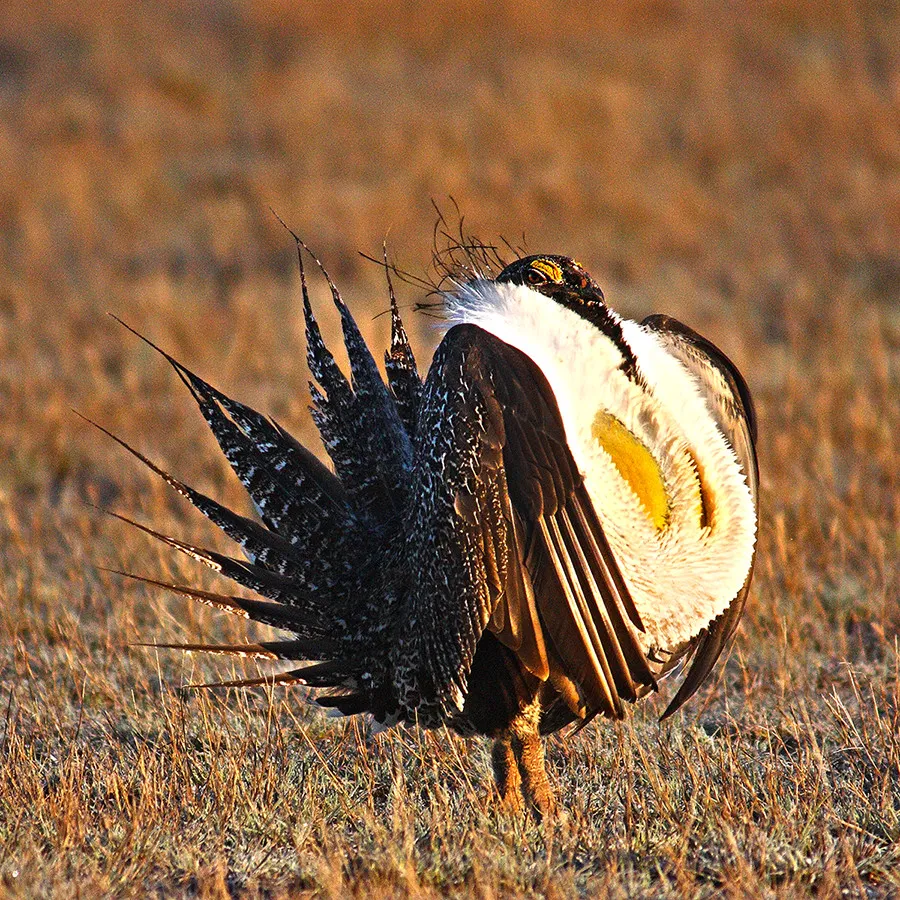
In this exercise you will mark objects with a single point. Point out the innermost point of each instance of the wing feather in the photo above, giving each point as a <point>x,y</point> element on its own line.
<point>730,402</point>
<point>538,570</point>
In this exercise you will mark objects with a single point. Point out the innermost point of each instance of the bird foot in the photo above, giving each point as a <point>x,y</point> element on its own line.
<point>518,758</point>
<point>507,777</point>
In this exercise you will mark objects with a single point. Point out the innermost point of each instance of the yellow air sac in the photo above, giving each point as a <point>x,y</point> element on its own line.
<point>635,464</point>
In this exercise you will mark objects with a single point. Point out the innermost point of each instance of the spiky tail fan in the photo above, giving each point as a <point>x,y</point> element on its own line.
<point>317,552</point>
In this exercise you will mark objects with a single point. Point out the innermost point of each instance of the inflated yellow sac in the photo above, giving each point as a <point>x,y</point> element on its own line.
<point>636,465</point>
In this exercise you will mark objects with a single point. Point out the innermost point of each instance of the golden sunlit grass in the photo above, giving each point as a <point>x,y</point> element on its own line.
<point>737,170</point>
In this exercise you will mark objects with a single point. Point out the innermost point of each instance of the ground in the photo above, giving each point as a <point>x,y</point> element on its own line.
<point>735,166</point>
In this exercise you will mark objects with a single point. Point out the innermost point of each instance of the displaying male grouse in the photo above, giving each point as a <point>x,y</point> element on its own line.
<point>563,510</point>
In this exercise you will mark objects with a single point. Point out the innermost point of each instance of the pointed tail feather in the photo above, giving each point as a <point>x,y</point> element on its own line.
<point>277,615</point>
<point>402,373</point>
<point>284,453</point>
<point>264,547</point>
<point>326,674</point>
<point>345,704</point>
<point>403,376</point>
<point>306,516</point>
<point>364,372</point>
<point>359,422</point>
<point>262,681</point>
<point>389,442</point>
<point>293,650</point>
<point>256,578</point>
<point>319,359</point>
<point>253,441</point>
<point>297,497</point>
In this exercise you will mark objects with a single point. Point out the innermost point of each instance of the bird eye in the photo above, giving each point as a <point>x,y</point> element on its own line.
<point>536,276</point>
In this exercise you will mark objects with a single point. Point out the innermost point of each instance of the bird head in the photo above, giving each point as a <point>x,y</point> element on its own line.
<point>558,277</point>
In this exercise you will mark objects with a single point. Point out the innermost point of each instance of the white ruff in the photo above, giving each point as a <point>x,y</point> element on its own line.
<point>683,577</point>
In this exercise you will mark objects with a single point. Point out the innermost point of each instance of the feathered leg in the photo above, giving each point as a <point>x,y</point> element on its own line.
<point>506,775</point>
<point>525,740</point>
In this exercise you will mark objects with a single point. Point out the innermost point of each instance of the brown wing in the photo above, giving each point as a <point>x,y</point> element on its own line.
<point>730,402</point>
<point>545,579</point>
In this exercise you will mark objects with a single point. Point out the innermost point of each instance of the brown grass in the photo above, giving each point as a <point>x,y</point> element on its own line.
<point>734,166</point>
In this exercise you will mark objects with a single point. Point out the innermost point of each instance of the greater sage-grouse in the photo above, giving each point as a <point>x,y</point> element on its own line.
<point>563,510</point>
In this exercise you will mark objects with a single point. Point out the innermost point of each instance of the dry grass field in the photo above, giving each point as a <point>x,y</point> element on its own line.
<point>734,165</point>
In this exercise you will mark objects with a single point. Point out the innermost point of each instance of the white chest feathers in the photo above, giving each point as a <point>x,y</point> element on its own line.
<point>664,481</point>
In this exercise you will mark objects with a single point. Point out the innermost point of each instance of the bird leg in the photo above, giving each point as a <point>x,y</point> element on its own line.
<point>518,757</point>
<point>506,774</point>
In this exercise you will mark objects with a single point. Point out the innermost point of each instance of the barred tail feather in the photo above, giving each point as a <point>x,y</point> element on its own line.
<point>297,497</point>
<point>317,551</point>
<point>264,547</point>
<point>359,421</point>
<point>403,377</point>
<point>276,615</point>
<point>249,575</point>
<point>271,465</point>
<point>318,675</point>
<point>289,650</point>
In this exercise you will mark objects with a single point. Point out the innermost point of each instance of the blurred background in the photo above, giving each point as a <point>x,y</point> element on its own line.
<point>736,165</point>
